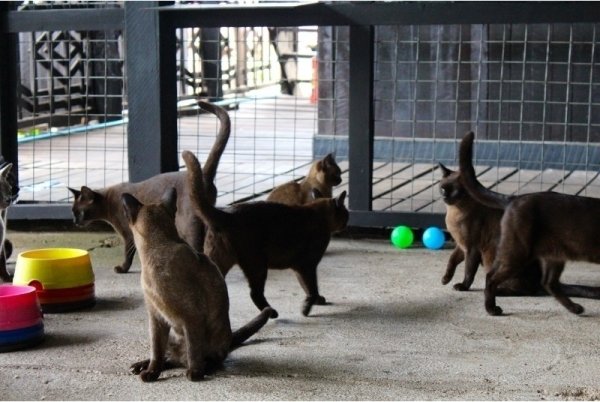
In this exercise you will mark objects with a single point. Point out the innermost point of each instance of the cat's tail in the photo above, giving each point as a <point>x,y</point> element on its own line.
<point>477,190</point>
<point>203,206</point>
<point>245,332</point>
<point>212,161</point>
<point>586,292</point>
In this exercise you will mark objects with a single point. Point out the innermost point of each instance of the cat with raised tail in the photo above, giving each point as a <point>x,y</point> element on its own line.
<point>266,235</point>
<point>105,204</point>
<point>323,175</point>
<point>545,227</point>
<point>185,295</point>
<point>475,228</point>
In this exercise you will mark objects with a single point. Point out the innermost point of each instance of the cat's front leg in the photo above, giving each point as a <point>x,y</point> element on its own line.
<point>159,337</point>
<point>129,253</point>
<point>4,275</point>
<point>473,259</point>
<point>308,280</point>
<point>456,258</point>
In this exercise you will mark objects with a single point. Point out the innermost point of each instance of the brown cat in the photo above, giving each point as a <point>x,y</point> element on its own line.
<point>105,204</point>
<point>262,235</point>
<point>7,197</point>
<point>476,230</point>
<point>185,295</point>
<point>323,175</point>
<point>547,227</point>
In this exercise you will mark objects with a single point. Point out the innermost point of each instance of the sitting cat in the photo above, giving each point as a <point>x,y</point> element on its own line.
<point>476,229</point>
<point>185,295</point>
<point>7,197</point>
<point>544,227</point>
<point>105,204</point>
<point>262,235</point>
<point>323,175</point>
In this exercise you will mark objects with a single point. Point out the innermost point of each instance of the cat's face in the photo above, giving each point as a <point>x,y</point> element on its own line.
<point>6,189</point>
<point>87,205</point>
<point>329,170</point>
<point>451,188</point>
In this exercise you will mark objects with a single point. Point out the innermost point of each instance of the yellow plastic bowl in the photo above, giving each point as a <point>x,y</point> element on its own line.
<point>54,268</point>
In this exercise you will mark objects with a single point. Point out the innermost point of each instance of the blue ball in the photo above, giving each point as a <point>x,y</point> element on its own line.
<point>433,238</point>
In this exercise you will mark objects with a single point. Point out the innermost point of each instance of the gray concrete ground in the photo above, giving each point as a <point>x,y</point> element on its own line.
<point>392,331</point>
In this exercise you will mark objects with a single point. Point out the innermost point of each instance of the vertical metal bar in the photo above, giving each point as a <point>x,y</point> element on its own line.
<point>8,90</point>
<point>152,92</point>
<point>360,121</point>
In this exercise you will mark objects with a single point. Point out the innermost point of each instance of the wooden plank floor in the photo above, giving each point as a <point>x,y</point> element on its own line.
<point>270,144</point>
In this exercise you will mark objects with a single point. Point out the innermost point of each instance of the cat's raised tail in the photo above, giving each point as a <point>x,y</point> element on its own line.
<point>477,190</point>
<point>203,207</point>
<point>212,161</point>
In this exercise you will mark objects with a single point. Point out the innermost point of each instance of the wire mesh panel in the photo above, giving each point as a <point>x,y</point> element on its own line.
<point>71,127</point>
<point>528,91</point>
<point>267,86</point>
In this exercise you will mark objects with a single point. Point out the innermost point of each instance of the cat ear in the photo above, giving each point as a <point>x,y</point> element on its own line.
<point>5,171</point>
<point>132,206</point>
<point>169,200</point>
<point>445,171</point>
<point>329,159</point>
<point>89,194</point>
<point>76,193</point>
<point>339,201</point>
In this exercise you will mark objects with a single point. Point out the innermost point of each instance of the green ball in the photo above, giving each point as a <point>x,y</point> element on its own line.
<point>402,237</point>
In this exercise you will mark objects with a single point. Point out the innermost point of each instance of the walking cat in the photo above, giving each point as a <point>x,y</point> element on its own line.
<point>105,204</point>
<point>185,295</point>
<point>323,175</point>
<point>476,229</point>
<point>262,235</point>
<point>547,227</point>
<point>7,197</point>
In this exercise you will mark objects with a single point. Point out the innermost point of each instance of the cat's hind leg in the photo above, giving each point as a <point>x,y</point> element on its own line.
<point>257,277</point>
<point>551,271</point>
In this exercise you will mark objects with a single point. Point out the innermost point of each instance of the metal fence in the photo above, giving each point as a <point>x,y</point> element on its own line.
<point>398,86</point>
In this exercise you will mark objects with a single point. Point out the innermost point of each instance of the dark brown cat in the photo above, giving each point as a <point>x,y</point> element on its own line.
<point>105,204</point>
<point>547,227</point>
<point>476,230</point>
<point>185,295</point>
<point>323,175</point>
<point>262,235</point>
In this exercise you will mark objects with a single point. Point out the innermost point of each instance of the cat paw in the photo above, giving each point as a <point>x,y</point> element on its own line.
<point>320,301</point>
<point>494,310</point>
<point>307,307</point>
<point>120,270</point>
<point>274,313</point>
<point>446,279</point>
<point>577,309</point>
<point>460,287</point>
<point>149,375</point>
<point>194,374</point>
<point>137,368</point>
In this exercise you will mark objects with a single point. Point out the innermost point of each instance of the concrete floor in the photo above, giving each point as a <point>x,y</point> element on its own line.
<point>392,332</point>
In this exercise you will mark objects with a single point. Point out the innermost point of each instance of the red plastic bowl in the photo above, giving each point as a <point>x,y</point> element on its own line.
<point>19,307</point>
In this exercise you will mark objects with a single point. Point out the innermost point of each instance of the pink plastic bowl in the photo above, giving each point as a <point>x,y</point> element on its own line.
<point>19,307</point>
